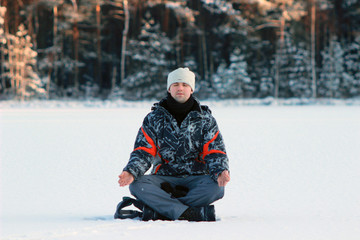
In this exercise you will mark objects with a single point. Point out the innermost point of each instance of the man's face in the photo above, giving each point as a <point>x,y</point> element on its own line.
<point>181,92</point>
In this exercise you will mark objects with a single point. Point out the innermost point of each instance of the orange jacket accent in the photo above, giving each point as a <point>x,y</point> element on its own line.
<point>152,150</point>
<point>157,168</point>
<point>206,151</point>
<point>166,161</point>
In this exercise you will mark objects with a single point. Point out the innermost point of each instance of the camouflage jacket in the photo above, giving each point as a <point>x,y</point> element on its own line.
<point>194,148</point>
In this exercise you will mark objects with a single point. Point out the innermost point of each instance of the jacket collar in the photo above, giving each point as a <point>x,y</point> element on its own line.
<point>201,109</point>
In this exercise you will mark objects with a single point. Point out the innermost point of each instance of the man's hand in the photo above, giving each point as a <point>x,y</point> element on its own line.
<point>125,178</point>
<point>223,178</point>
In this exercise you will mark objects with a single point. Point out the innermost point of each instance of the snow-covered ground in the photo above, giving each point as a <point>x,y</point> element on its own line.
<point>295,173</point>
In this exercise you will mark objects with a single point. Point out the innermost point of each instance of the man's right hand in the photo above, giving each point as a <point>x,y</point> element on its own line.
<point>125,178</point>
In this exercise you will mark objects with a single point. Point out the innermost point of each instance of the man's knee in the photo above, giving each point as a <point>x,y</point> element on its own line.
<point>211,188</point>
<point>137,186</point>
<point>144,183</point>
<point>220,192</point>
<point>215,192</point>
<point>134,187</point>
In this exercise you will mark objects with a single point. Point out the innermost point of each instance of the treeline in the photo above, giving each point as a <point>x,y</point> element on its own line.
<point>125,48</point>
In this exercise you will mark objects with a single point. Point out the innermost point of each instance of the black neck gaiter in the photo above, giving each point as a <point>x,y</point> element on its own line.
<point>179,110</point>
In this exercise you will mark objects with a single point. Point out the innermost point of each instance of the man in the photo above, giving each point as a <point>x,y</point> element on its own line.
<point>180,138</point>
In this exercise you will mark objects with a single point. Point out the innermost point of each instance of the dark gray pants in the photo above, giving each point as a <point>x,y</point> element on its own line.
<point>203,190</point>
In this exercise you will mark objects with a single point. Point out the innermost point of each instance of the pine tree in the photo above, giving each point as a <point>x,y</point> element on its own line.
<point>230,82</point>
<point>331,72</point>
<point>300,72</point>
<point>351,79</point>
<point>148,52</point>
<point>294,69</point>
<point>21,61</point>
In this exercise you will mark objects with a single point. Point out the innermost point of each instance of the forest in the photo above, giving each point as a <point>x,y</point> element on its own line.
<point>110,49</point>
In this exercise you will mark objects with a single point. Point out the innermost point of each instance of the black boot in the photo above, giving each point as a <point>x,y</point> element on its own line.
<point>198,214</point>
<point>150,214</point>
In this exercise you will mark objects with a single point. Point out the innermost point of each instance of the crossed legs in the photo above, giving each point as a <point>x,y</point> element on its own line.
<point>203,190</point>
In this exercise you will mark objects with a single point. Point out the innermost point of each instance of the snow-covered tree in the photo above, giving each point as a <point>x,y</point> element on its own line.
<point>299,74</point>
<point>293,64</point>
<point>351,79</point>
<point>2,48</point>
<point>340,73</point>
<point>230,81</point>
<point>81,45</point>
<point>21,59</point>
<point>279,12</point>
<point>332,70</point>
<point>148,52</point>
<point>266,86</point>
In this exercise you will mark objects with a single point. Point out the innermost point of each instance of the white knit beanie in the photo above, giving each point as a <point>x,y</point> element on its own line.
<point>181,75</point>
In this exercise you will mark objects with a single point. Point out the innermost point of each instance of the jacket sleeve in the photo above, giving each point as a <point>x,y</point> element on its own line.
<point>144,151</point>
<point>214,153</point>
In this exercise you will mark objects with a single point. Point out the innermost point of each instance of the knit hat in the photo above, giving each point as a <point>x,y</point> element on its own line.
<point>181,75</point>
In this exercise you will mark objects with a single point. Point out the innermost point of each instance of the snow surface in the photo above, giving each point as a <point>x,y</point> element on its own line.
<point>295,173</point>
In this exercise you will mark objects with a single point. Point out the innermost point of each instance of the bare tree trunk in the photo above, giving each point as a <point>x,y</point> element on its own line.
<point>204,52</point>
<point>332,70</point>
<point>211,63</point>
<point>62,56</point>
<point>15,64</point>
<point>200,55</point>
<point>12,72</point>
<point>113,78</point>
<point>55,52</point>
<point>179,44</point>
<point>124,39</point>
<point>166,18</point>
<point>313,63</point>
<point>76,55</point>
<point>98,43</point>
<point>36,27</point>
<point>279,51</point>
<point>6,17</point>
<point>21,69</point>
<point>76,45</point>
<point>17,15</point>
<point>31,20</point>
<point>3,82</point>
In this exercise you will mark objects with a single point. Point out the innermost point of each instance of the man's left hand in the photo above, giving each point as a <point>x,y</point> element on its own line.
<point>223,178</point>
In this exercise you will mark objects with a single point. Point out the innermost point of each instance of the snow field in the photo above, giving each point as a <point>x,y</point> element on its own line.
<point>295,173</point>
